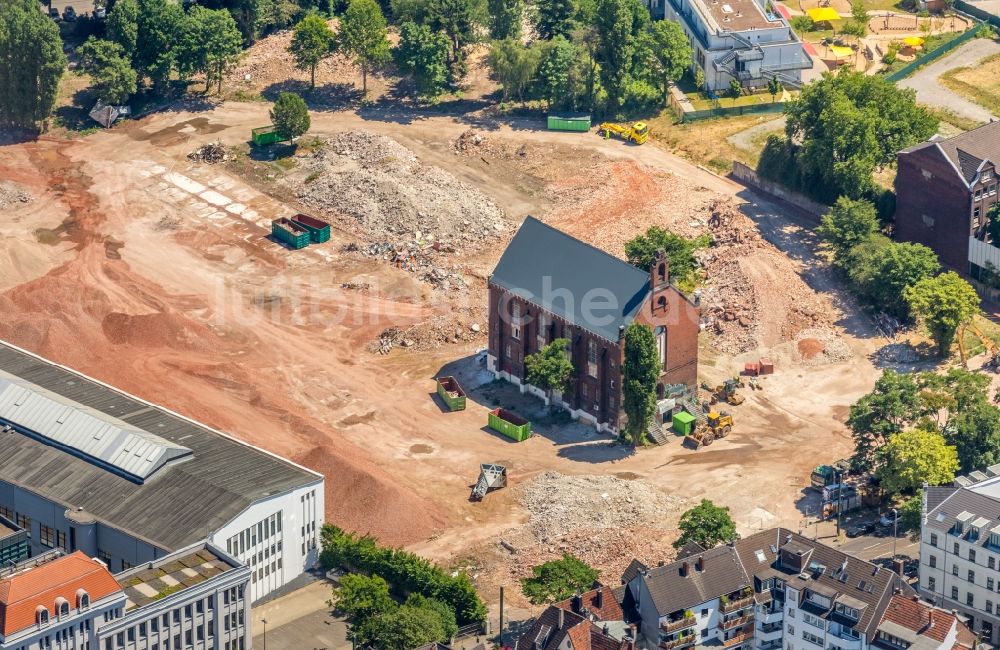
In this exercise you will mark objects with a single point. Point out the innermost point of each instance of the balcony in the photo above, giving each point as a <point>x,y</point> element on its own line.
<point>681,623</point>
<point>739,621</point>
<point>686,641</point>
<point>734,604</point>
<point>769,628</point>
<point>770,645</point>
<point>738,639</point>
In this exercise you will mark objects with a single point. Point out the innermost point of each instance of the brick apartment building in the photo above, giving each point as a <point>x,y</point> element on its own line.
<point>549,285</point>
<point>945,188</point>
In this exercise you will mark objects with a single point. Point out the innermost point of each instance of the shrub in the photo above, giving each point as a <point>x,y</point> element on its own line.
<point>802,24</point>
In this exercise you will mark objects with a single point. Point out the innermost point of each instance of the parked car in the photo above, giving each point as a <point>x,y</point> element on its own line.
<point>862,528</point>
<point>69,14</point>
<point>100,13</point>
<point>886,520</point>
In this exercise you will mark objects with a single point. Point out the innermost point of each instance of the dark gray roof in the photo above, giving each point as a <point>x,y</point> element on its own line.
<point>672,591</point>
<point>936,494</point>
<point>632,570</point>
<point>180,504</point>
<point>544,265</point>
<point>689,549</point>
<point>967,151</point>
<point>943,515</point>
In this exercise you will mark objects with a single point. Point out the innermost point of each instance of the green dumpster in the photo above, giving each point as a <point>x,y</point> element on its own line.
<point>265,135</point>
<point>567,122</point>
<point>451,393</point>
<point>510,424</point>
<point>289,232</point>
<point>683,423</point>
<point>319,231</point>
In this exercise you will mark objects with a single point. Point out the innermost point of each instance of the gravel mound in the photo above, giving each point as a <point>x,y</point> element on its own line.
<point>11,194</point>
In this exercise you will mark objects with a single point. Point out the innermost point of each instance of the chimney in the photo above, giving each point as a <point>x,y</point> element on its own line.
<point>599,598</point>
<point>577,603</point>
<point>621,332</point>
<point>699,564</point>
<point>685,567</point>
<point>562,618</point>
<point>930,618</point>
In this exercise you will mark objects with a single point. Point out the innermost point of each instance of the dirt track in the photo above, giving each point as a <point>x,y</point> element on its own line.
<point>154,274</point>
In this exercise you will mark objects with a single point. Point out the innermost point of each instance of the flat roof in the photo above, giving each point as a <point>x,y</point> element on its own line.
<point>181,503</point>
<point>738,15</point>
<point>5,530</point>
<point>170,575</point>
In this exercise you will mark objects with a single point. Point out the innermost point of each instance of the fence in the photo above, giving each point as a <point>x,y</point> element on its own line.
<point>978,13</point>
<point>687,115</point>
<point>748,176</point>
<point>936,53</point>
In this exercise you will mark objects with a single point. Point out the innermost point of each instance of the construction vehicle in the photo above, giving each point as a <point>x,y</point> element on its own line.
<point>716,425</point>
<point>637,133</point>
<point>491,477</point>
<point>726,391</point>
<point>826,475</point>
<point>989,346</point>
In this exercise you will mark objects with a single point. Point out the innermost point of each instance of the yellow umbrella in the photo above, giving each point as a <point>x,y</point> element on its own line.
<point>913,41</point>
<point>823,14</point>
<point>841,52</point>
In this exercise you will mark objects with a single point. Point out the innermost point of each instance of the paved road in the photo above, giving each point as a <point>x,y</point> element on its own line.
<point>932,93</point>
<point>300,620</point>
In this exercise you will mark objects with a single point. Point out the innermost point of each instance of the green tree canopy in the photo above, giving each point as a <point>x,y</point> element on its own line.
<point>976,436</point>
<point>506,17</point>
<point>640,251</point>
<point>123,27</point>
<point>31,63</point>
<point>640,374</point>
<point>424,54</point>
<point>290,115</point>
<point>161,29</point>
<point>848,223</point>
<point>360,597</point>
<point>114,80</point>
<point>892,404</point>
<point>210,43</point>
<point>550,368</point>
<point>555,17</point>
<point>943,303</point>
<point>311,43</point>
<point>514,66</point>
<point>558,579</point>
<point>849,125</point>
<point>911,458</point>
<point>670,54</point>
<point>409,626</point>
<point>881,270</point>
<point>774,87</point>
<point>458,20</point>
<point>364,37</point>
<point>620,23</point>
<point>558,76</point>
<point>706,524</point>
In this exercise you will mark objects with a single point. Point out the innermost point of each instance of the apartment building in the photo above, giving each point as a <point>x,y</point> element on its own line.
<point>960,550</point>
<point>88,467</point>
<point>746,40</point>
<point>194,599</point>
<point>778,590</point>
<point>590,621</point>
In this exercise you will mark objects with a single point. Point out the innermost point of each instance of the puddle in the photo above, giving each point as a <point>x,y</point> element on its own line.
<point>178,132</point>
<point>627,476</point>
<point>421,449</point>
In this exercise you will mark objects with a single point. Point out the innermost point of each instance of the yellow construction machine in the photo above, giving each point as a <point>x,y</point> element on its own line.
<point>989,347</point>
<point>718,425</point>
<point>726,391</point>
<point>637,133</point>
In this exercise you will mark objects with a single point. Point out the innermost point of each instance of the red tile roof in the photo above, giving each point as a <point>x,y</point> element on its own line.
<point>610,609</point>
<point>22,593</point>
<point>923,618</point>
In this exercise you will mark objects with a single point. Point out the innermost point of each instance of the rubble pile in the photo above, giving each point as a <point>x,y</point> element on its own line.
<point>471,142</point>
<point>421,259</point>
<point>381,185</point>
<point>430,334</point>
<point>818,346</point>
<point>11,194</point>
<point>211,153</point>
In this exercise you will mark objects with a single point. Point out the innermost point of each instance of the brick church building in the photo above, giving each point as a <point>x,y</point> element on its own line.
<point>549,285</point>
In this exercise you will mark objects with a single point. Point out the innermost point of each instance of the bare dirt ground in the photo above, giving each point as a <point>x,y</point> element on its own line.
<point>156,274</point>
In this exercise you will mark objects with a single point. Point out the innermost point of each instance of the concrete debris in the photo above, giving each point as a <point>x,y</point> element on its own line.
<point>363,287</point>
<point>819,346</point>
<point>428,335</point>
<point>901,352</point>
<point>211,153</point>
<point>11,194</point>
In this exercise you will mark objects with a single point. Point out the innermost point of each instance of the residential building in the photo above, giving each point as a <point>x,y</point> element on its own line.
<point>549,285</point>
<point>87,467</point>
<point>602,605</point>
<point>747,40</point>
<point>960,549</point>
<point>945,188</point>
<point>14,544</point>
<point>192,599</point>
<point>772,590</point>
<point>912,624</point>
<point>560,628</point>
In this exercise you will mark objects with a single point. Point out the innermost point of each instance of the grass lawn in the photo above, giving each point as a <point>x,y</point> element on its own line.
<point>951,124</point>
<point>705,142</point>
<point>979,83</point>
<point>701,102</point>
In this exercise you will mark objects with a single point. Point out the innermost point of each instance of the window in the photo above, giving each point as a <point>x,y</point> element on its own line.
<point>62,607</point>
<point>986,175</point>
<point>543,331</point>
<point>47,536</point>
<point>791,629</point>
<point>6,513</point>
<point>931,583</point>
<point>970,599</point>
<point>704,613</point>
<point>972,576</point>
<point>187,611</point>
<point>932,561</point>
<point>934,540</point>
<point>978,211</point>
<point>956,550</point>
<point>972,555</point>
<point>979,194</point>
<point>200,607</point>
<point>515,321</point>
<point>813,639</point>
<point>991,562</point>
<point>989,606</point>
<point>992,189</point>
<point>23,521</point>
<point>591,359</point>
<point>954,593</point>
<point>61,540</point>
<point>41,615</point>
<point>126,565</point>
<point>954,569</point>
<point>989,583</point>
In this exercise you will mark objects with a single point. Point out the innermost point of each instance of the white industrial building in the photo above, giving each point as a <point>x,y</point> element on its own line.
<point>88,467</point>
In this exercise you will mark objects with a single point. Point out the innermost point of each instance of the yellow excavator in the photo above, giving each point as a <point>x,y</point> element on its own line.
<point>637,133</point>
<point>990,347</point>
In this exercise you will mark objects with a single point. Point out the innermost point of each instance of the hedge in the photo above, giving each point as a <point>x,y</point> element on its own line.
<point>406,573</point>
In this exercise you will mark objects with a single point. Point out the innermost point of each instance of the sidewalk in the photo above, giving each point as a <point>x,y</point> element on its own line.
<point>301,619</point>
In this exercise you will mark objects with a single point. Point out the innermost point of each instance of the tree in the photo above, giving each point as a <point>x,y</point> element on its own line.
<point>892,404</point>
<point>619,24</point>
<point>671,53</point>
<point>360,597</point>
<point>640,251</point>
<point>505,19</point>
<point>976,436</point>
<point>558,579</point>
<point>699,78</point>
<point>881,270</point>
<point>735,89</point>
<point>849,125</point>
<point>588,39</point>
<point>555,76</point>
<point>909,516</point>
<point>993,224</point>
<point>555,17</point>
<point>123,27</point>
<point>550,368</point>
<point>911,458</point>
<point>458,20</point>
<point>444,613</point>
<point>210,43</point>
<point>640,374</point>
<point>943,303</point>
<point>31,63</point>
<point>514,66</point>
<point>364,36</point>
<point>407,627</point>
<point>802,24</point>
<point>290,115</point>
<point>112,74</point>
<point>161,26</point>
<point>311,43</point>
<point>707,525</point>
<point>848,223</point>
<point>774,87</point>
<point>859,15</point>
<point>424,54</point>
